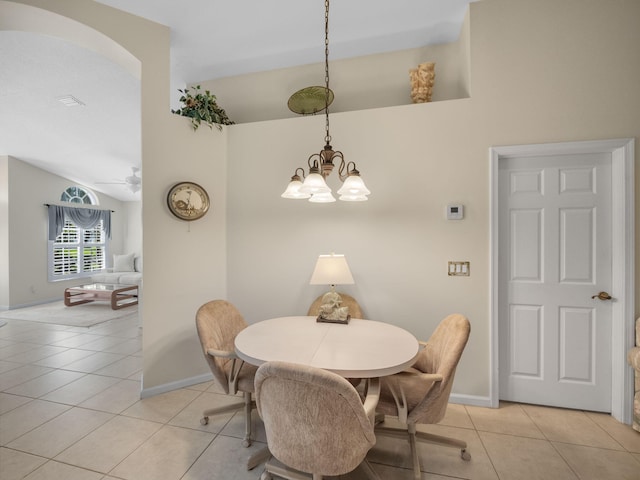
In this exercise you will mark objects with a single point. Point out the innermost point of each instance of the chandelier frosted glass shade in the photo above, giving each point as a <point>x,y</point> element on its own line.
<point>315,187</point>
<point>353,198</point>
<point>353,186</point>
<point>324,197</point>
<point>314,183</point>
<point>293,190</point>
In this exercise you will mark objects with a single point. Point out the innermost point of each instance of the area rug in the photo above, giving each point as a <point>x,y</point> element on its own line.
<point>86,315</point>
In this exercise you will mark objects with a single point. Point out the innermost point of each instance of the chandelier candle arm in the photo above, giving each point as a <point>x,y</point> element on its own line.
<point>321,164</point>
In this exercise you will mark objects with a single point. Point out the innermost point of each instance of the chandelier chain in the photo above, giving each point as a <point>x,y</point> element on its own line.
<point>326,69</point>
<point>322,164</point>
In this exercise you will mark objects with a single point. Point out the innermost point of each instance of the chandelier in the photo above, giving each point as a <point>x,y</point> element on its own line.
<point>321,164</point>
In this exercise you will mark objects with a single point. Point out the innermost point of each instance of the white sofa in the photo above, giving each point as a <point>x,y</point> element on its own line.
<point>126,270</point>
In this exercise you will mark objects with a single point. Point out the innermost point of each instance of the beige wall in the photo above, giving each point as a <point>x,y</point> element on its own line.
<point>373,81</point>
<point>539,72</point>
<point>184,262</point>
<point>415,159</point>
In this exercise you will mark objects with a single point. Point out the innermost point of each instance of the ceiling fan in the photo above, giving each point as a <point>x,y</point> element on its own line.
<point>133,182</point>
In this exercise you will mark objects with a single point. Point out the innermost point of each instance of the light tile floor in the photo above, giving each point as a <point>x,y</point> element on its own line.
<point>70,409</point>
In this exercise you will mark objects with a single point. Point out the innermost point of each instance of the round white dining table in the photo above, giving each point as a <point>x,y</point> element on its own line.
<point>359,349</point>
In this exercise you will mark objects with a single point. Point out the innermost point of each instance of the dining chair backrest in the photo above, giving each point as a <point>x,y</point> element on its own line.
<point>218,322</point>
<point>421,394</point>
<point>440,355</point>
<point>314,419</point>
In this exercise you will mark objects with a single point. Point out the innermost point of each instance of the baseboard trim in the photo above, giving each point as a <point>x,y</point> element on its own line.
<point>6,308</point>
<point>458,398</point>
<point>168,387</point>
<point>473,400</point>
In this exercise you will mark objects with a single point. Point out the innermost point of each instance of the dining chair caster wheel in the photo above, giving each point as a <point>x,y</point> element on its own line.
<point>246,443</point>
<point>266,476</point>
<point>466,456</point>
<point>204,421</point>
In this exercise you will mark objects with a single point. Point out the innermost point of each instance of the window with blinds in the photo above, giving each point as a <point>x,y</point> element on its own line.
<point>77,252</point>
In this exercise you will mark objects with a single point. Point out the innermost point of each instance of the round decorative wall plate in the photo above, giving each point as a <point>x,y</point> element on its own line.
<point>188,201</point>
<point>310,100</point>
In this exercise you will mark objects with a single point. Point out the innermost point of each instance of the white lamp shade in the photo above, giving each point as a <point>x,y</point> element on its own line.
<point>331,270</point>
<point>293,190</point>
<point>314,183</point>
<point>353,198</point>
<point>353,186</point>
<point>325,197</point>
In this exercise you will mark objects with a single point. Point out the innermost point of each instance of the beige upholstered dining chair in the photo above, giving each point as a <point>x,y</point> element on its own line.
<point>421,393</point>
<point>315,421</point>
<point>347,301</point>
<point>218,322</point>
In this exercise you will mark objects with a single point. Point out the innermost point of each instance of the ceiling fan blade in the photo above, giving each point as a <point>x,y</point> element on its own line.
<point>133,180</point>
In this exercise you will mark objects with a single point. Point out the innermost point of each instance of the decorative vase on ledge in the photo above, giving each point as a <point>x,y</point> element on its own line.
<point>422,79</point>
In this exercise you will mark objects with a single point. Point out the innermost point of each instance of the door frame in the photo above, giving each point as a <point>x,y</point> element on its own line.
<point>623,246</point>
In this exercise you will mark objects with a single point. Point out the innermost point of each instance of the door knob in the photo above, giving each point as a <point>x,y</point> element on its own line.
<point>602,296</point>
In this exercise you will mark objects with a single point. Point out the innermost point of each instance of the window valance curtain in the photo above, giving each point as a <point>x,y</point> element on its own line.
<point>82,217</point>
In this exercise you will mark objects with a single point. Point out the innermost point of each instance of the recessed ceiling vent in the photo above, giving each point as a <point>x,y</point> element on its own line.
<point>70,101</point>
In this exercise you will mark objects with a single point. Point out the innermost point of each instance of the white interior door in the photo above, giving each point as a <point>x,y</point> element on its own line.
<point>555,254</point>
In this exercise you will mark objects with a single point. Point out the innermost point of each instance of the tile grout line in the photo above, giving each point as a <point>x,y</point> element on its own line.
<point>475,428</point>
<point>551,444</point>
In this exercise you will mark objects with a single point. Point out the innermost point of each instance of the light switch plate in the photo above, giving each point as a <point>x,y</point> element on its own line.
<point>459,269</point>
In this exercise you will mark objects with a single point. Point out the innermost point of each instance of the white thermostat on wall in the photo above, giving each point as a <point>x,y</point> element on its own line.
<point>455,211</point>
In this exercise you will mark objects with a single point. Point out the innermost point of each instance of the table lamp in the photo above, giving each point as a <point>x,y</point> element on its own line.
<point>332,270</point>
